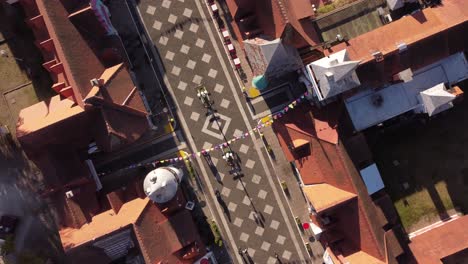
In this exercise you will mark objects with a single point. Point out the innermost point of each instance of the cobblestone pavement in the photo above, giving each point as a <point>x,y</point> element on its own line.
<point>192,54</point>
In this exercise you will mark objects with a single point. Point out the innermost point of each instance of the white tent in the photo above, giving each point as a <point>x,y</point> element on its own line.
<point>436,99</point>
<point>334,74</point>
<point>161,184</point>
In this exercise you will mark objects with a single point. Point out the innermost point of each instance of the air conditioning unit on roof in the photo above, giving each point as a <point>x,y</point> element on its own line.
<point>69,194</point>
<point>402,47</point>
<point>378,56</point>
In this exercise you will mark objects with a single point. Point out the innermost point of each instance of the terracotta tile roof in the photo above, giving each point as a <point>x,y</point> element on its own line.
<point>79,61</point>
<point>327,163</point>
<point>300,8</point>
<point>103,223</point>
<point>274,17</point>
<point>118,87</point>
<point>324,196</point>
<point>165,242</point>
<point>430,35</point>
<point>362,257</point>
<point>441,241</point>
<point>44,114</point>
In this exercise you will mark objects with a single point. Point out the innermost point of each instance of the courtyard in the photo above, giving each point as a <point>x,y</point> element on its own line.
<point>424,166</point>
<point>351,21</point>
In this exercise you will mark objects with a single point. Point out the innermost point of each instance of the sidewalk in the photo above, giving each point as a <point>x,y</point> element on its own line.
<point>296,200</point>
<point>143,75</point>
<point>279,92</point>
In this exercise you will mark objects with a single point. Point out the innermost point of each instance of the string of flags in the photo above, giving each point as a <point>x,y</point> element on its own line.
<point>220,146</point>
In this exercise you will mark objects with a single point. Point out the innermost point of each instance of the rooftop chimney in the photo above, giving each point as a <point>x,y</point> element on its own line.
<point>378,56</point>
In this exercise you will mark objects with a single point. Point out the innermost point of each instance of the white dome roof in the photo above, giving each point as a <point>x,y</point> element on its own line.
<point>161,184</point>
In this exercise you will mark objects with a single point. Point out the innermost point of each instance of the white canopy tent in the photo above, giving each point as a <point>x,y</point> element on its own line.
<point>436,99</point>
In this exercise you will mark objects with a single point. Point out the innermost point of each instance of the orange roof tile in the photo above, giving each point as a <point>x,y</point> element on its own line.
<point>103,223</point>
<point>362,257</point>
<point>79,60</point>
<point>45,113</point>
<point>300,8</point>
<point>441,241</point>
<point>324,196</point>
<point>409,29</point>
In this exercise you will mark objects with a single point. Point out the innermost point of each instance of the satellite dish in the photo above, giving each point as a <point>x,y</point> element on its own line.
<point>161,184</point>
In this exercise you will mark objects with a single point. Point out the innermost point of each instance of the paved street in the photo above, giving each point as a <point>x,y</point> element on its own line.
<point>192,54</point>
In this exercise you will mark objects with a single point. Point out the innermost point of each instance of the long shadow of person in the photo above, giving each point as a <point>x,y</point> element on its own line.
<point>224,206</point>
<point>249,259</point>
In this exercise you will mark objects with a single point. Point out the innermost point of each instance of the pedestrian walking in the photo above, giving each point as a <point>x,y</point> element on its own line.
<point>240,251</point>
<point>255,216</point>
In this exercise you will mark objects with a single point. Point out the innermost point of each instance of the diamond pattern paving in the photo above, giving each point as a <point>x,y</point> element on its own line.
<point>244,237</point>
<point>150,10</point>
<point>197,79</point>
<point>188,101</point>
<point>232,207</point>
<point>170,55</point>
<point>238,222</point>
<point>206,58</point>
<point>280,240</point>
<point>218,87</point>
<point>259,231</point>
<point>184,49</point>
<point>200,43</point>
<point>244,148</point>
<point>256,179</point>
<point>225,191</point>
<point>178,34</point>
<point>166,3</point>
<point>246,200</point>
<point>175,70</point>
<point>194,116</point>
<point>225,103</point>
<point>172,19</point>
<point>268,209</point>
<point>187,12</point>
<point>274,224</point>
<point>265,246</point>
<point>262,194</point>
<point>163,40</point>
<point>191,64</point>
<point>182,86</point>
<point>190,59</point>
<point>157,25</point>
<point>194,27</point>
<point>250,164</point>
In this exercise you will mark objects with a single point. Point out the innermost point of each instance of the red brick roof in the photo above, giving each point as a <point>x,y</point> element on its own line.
<point>78,59</point>
<point>430,35</point>
<point>358,227</point>
<point>274,16</point>
<point>440,242</point>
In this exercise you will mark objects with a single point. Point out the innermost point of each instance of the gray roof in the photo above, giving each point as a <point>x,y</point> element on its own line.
<point>271,57</point>
<point>371,107</point>
<point>334,74</point>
